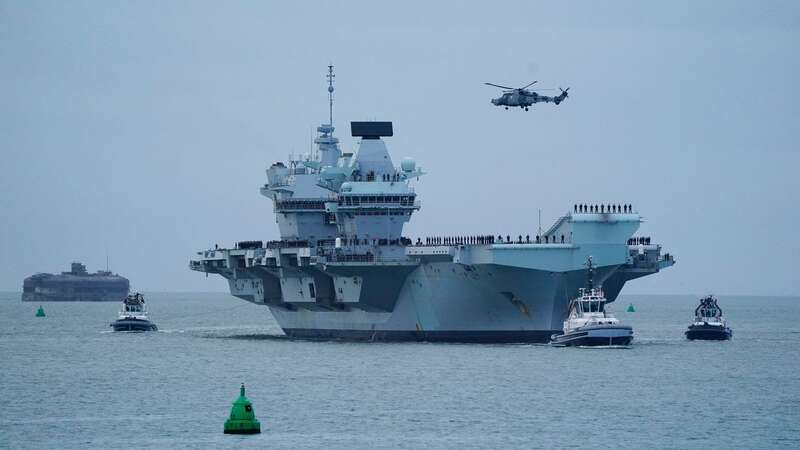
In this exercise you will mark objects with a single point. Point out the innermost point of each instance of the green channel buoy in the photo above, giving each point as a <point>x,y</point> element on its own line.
<point>243,418</point>
<point>40,312</point>
<point>631,308</point>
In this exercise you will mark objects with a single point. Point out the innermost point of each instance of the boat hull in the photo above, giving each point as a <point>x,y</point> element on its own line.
<point>596,336</point>
<point>134,325</point>
<point>708,333</point>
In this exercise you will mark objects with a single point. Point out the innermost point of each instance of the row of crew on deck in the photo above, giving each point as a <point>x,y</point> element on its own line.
<point>355,240</point>
<point>458,240</point>
<point>372,176</point>
<point>488,239</point>
<point>429,241</point>
<point>289,243</point>
<point>602,208</point>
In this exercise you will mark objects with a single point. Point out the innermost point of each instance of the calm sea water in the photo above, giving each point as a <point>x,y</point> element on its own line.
<point>68,382</point>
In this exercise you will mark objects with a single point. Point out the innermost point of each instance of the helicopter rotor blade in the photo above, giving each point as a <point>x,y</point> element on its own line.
<point>529,84</point>
<point>497,85</point>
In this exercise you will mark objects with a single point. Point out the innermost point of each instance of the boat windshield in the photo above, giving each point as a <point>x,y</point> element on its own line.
<point>133,304</point>
<point>708,313</point>
<point>133,308</point>
<point>591,305</point>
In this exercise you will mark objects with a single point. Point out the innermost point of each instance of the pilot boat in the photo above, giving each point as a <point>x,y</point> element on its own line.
<point>708,325</point>
<point>133,316</point>
<point>588,323</point>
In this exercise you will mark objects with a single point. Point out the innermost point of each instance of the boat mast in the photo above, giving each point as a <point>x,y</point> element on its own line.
<point>330,76</point>
<point>591,273</point>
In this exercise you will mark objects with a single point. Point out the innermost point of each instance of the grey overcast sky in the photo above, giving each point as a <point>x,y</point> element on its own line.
<point>143,128</point>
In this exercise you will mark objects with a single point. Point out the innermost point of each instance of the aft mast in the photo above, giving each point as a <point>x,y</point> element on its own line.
<point>330,76</point>
<point>328,144</point>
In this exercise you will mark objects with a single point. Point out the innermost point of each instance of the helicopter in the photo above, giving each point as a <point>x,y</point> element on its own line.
<point>524,98</point>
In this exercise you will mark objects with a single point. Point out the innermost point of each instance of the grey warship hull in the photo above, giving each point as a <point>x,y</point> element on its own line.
<point>342,269</point>
<point>463,299</point>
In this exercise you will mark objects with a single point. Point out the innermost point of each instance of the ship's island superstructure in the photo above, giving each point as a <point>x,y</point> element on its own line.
<point>77,285</point>
<point>342,269</point>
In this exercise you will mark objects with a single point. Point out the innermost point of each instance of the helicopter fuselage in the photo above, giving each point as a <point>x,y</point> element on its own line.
<point>525,99</point>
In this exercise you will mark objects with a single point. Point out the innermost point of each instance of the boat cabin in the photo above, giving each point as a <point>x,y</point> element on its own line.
<point>590,304</point>
<point>590,301</point>
<point>589,309</point>
<point>708,311</point>
<point>133,306</point>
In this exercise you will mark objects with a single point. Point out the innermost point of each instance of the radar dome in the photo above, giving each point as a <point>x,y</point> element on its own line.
<point>408,164</point>
<point>346,187</point>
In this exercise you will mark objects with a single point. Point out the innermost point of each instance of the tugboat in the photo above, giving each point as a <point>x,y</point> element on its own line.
<point>708,325</point>
<point>588,324</point>
<point>133,316</point>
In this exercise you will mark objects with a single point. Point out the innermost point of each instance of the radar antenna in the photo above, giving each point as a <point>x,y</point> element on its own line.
<point>330,76</point>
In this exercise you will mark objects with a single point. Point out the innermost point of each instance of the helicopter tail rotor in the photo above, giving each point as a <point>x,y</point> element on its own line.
<point>563,96</point>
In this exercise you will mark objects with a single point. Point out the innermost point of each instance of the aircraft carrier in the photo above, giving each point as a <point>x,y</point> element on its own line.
<point>77,285</point>
<point>343,270</point>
